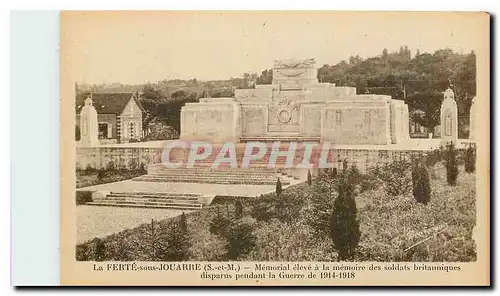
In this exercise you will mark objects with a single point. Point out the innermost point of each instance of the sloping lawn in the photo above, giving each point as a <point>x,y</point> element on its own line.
<point>392,227</point>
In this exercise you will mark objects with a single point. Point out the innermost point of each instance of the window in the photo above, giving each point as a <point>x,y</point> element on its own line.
<point>103,130</point>
<point>132,130</point>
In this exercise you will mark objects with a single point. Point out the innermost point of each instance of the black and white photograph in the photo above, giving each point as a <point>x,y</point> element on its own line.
<point>275,143</point>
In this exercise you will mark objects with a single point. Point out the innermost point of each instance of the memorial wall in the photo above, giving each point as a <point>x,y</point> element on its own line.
<point>296,107</point>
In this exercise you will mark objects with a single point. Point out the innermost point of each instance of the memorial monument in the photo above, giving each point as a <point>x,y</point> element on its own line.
<point>88,125</point>
<point>296,107</point>
<point>449,117</point>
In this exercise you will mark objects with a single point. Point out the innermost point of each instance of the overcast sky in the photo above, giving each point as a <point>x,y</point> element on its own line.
<point>139,47</point>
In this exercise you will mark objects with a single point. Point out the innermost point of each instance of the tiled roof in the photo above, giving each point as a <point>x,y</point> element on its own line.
<point>107,103</point>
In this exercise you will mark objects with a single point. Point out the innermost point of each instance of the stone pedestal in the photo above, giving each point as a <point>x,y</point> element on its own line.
<point>449,117</point>
<point>89,128</point>
<point>214,120</point>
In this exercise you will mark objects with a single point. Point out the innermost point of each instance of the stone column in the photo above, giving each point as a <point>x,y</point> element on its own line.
<point>449,117</point>
<point>88,125</point>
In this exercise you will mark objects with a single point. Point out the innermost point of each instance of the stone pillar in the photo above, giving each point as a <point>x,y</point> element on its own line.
<point>88,125</point>
<point>449,117</point>
<point>473,120</point>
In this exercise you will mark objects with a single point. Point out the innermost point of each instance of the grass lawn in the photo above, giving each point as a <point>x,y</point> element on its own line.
<point>389,225</point>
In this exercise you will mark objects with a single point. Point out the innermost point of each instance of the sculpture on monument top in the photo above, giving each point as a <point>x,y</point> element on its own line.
<point>88,125</point>
<point>294,63</point>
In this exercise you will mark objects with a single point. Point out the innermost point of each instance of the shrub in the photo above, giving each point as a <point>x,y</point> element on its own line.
<point>83,197</point>
<point>451,165</point>
<point>219,224</point>
<point>278,187</point>
<point>327,175</point>
<point>77,133</point>
<point>434,157</point>
<point>320,202</point>
<point>288,209</point>
<point>368,182</point>
<point>240,238</point>
<point>119,251</point>
<point>354,176</point>
<point>143,169</point>
<point>344,225</point>
<point>320,207</point>
<point>89,169</point>
<point>132,164</point>
<point>309,178</point>
<point>82,252</point>
<point>421,183</point>
<point>101,174</point>
<point>264,208</point>
<point>96,250</point>
<point>395,175</point>
<point>183,223</point>
<point>238,211</point>
<point>177,242</point>
<point>470,160</point>
<point>110,166</point>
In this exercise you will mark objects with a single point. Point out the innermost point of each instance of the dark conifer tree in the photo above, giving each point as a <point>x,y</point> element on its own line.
<point>421,183</point>
<point>451,165</point>
<point>278,187</point>
<point>344,225</point>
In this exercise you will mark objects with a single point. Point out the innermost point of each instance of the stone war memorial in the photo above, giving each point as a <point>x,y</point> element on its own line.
<point>364,129</point>
<point>275,148</point>
<point>296,107</point>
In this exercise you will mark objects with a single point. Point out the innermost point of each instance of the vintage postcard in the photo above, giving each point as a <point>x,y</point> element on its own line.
<point>275,148</point>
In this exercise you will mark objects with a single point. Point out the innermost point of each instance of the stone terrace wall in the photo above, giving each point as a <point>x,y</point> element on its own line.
<point>99,157</point>
<point>124,157</point>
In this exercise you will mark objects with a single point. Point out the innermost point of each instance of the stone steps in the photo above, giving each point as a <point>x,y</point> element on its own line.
<point>177,196</point>
<point>209,175</point>
<point>280,139</point>
<point>149,200</point>
<point>173,207</point>
<point>215,174</point>
<point>207,180</point>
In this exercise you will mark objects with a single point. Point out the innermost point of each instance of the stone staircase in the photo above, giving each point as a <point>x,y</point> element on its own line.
<point>221,175</point>
<point>281,138</point>
<point>178,201</point>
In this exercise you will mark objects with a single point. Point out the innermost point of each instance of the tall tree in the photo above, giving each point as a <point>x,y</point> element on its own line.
<point>344,226</point>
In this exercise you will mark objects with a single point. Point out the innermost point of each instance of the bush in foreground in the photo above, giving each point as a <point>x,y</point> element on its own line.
<point>395,175</point>
<point>470,160</point>
<point>83,197</point>
<point>176,241</point>
<point>279,188</point>
<point>421,183</point>
<point>344,226</point>
<point>240,238</point>
<point>451,165</point>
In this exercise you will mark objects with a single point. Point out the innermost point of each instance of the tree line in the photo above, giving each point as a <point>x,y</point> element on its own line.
<point>418,79</point>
